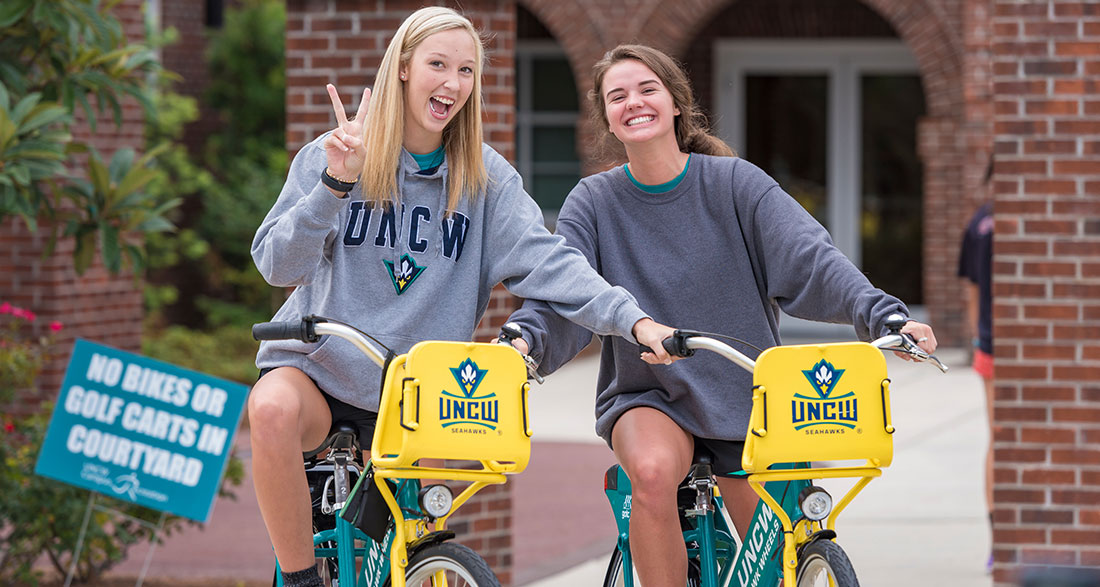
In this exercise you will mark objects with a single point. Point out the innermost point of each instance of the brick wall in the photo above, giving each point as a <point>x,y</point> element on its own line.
<point>342,42</point>
<point>186,57</point>
<point>1046,66</point>
<point>96,305</point>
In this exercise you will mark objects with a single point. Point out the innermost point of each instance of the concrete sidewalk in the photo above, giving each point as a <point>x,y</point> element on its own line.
<point>922,523</point>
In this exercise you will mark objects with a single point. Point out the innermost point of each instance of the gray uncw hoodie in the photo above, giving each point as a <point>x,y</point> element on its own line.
<point>410,273</point>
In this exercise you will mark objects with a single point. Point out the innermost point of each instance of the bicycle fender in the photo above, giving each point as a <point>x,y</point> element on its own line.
<point>429,540</point>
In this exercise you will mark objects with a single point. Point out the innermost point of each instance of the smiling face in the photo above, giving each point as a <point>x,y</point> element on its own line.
<point>638,107</point>
<point>438,79</point>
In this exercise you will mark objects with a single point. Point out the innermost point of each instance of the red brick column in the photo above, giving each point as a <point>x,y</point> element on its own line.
<point>1046,62</point>
<point>339,42</point>
<point>96,305</point>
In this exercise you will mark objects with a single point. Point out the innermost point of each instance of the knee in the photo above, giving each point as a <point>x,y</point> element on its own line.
<point>653,481</point>
<point>271,410</point>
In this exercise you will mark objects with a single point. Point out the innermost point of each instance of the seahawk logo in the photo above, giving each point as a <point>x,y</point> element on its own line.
<point>823,377</point>
<point>823,408</point>
<point>466,407</point>
<point>404,275</point>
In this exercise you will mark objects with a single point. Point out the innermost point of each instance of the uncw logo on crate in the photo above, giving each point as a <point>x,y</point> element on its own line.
<point>466,412</point>
<point>823,412</point>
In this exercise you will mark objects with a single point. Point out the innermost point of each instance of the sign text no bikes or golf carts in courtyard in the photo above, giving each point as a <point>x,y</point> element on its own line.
<point>142,430</point>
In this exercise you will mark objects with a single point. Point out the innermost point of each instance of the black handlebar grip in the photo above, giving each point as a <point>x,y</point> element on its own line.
<point>673,346</point>
<point>292,330</point>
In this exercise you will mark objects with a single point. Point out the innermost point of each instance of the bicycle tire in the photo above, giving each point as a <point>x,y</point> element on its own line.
<point>461,565</point>
<point>823,562</point>
<point>614,575</point>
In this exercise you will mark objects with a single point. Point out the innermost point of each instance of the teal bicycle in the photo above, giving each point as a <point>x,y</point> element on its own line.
<point>462,405</point>
<point>823,403</point>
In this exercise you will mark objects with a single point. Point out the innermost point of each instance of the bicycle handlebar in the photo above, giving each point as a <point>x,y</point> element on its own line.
<point>683,343</point>
<point>312,328</point>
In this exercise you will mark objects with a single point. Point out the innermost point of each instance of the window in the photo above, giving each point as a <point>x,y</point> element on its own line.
<point>546,124</point>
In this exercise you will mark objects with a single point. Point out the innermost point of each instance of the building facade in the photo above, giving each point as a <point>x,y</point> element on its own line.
<point>880,116</point>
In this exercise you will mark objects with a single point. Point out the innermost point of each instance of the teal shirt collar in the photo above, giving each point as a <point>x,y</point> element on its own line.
<point>660,188</point>
<point>429,160</point>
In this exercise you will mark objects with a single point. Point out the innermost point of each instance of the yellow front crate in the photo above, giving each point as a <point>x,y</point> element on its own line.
<point>826,402</point>
<point>457,401</point>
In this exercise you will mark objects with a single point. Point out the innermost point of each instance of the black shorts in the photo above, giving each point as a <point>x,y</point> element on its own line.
<point>363,420</point>
<point>725,455</point>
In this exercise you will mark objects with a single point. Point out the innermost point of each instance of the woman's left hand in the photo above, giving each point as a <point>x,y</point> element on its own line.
<point>922,333</point>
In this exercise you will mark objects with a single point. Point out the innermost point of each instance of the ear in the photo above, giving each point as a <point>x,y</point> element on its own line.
<point>675,111</point>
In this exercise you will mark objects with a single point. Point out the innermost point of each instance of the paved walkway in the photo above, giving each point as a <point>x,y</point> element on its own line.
<point>564,532</point>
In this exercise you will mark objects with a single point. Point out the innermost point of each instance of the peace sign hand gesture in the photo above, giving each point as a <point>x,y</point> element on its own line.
<point>344,148</point>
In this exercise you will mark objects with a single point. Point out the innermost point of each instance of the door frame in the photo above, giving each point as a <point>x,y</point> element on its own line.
<point>843,61</point>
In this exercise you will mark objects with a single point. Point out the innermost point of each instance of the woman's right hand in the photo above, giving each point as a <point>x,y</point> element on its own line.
<point>344,148</point>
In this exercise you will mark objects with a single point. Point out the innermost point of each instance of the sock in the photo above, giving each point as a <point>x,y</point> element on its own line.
<point>303,578</point>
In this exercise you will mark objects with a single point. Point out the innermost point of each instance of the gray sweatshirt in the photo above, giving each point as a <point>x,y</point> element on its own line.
<point>410,273</point>
<point>721,252</point>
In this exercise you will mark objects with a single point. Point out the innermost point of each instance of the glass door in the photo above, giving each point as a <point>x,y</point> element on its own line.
<point>834,122</point>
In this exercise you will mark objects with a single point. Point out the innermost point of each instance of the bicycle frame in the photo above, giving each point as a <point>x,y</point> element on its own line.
<point>719,558</point>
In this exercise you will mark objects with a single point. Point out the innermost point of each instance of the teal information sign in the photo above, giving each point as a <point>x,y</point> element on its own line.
<point>142,430</point>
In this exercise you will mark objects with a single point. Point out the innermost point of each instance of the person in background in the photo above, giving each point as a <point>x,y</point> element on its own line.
<point>975,266</point>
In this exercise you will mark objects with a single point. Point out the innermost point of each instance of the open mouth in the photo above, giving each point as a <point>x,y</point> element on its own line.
<point>639,120</point>
<point>440,106</point>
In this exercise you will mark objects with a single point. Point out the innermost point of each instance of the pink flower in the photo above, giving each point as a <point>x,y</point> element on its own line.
<point>9,427</point>
<point>17,311</point>
<point>55,326</point>
<point>5,308</point>
<point>29,316</point>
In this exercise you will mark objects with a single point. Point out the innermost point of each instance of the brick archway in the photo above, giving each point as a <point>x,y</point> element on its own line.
<point>944,134</point>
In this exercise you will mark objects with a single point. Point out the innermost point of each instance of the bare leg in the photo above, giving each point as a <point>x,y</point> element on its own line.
<point>740,501</point>
<point>656,455</point>
<point>989,451</point>
<point>287,414</point>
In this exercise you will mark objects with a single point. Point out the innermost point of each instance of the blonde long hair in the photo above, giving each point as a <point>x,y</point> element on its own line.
<point>692,131</point>
<point>385,125</point>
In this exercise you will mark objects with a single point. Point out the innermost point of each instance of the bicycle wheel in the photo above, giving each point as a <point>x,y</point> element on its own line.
<point>824,564</point>
<point>614,575</point>
<point>459,565</point>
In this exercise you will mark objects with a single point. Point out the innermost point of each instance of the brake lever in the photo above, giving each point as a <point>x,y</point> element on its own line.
<point>910,346</point>
<point>510,332</point>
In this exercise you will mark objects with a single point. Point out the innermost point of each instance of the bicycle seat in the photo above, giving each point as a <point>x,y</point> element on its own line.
<point>342,435</point>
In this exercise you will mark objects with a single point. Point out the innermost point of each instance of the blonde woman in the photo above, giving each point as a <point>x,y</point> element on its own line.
<point>399,221</point>
<point>724,248</point>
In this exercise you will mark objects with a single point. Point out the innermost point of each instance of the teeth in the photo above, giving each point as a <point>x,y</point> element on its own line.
<point>639,120</point>
<point>447,101</point>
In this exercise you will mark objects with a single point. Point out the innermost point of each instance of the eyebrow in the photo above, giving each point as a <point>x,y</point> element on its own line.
<point>445,56</point>
<point>648,81</point>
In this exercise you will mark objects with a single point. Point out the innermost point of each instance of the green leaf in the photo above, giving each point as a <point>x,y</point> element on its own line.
<point>85,250</point>
<point>109,241</point>
<point>97,173</point>
<point>24,106</point>
<point>11,11</point>
<point>121,162</point>
<point>42,115</point>
<point>155,224</point>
